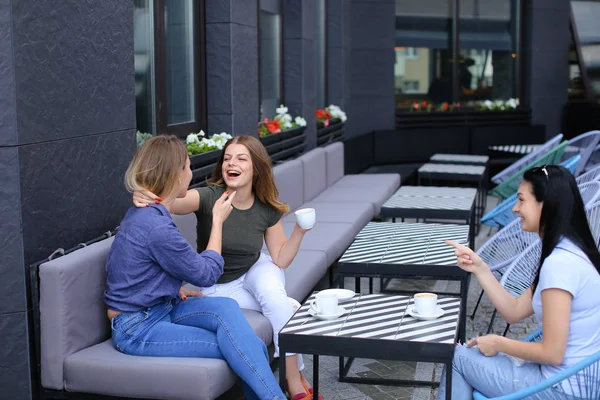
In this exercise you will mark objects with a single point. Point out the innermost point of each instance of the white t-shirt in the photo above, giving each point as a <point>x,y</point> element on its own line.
<point>569,269</point>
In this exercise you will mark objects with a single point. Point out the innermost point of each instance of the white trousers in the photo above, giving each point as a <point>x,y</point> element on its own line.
<point>262,289</point>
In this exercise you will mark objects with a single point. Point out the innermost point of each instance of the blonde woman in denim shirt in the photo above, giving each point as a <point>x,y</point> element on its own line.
<point>151,315</point>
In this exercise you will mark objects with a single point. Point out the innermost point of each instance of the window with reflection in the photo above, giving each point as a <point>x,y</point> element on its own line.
<point>488,41</point>
<point>169,66</point>
<point>584,54</point>
<point>321,54</point>
<point>143,45</point>
<point>423,64</point>
<point>488,50</point>
<point>270,57</point>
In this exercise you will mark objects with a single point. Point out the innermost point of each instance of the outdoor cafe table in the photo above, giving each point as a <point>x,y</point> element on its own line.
<point>407,250</point>
<point>433,202</point>
<point>472,174</point>
<point>375,326</point>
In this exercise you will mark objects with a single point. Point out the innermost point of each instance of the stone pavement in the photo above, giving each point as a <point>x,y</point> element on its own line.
<point>331,389</point>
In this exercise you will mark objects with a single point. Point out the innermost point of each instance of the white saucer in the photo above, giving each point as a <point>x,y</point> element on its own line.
<point>438,313</point>
<point>340,311</point>
<point>341,294</point>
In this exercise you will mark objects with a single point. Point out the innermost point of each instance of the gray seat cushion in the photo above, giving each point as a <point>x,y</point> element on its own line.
<point>348,193</point>
<point>390,182</point>
<point>314,164</point>
<point>289,178</point>
<point>102,369</point>
<point>335,162</point>
<point>304,273</point>
<point>333,238</point>
<point>357,214</point>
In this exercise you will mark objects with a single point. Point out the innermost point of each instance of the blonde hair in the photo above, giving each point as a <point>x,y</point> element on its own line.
<point>263,183</point>
<point>156,166</point>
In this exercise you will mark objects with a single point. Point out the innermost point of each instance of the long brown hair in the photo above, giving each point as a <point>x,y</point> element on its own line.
<point>156,166</point>
<point>263,183</point>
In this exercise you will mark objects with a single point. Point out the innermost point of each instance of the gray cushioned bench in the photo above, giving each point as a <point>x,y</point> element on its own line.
<point>77,354</point>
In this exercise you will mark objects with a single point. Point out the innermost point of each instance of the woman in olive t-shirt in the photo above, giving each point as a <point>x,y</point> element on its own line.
<point>255,280</point>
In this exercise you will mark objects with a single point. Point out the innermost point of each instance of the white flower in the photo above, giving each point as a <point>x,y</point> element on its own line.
<point>336,112</point>
<point>512,103</point>
<point>287,125</point>
<point>281,109</point>
<point>488,104</point>
<point>191,138</point>
<point>201,133</point>
<point>300,121</point>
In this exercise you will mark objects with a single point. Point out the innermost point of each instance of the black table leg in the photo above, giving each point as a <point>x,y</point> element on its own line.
<point>282,358</point>
<point>357,284</point>
<point>464,288</point>
<point>315,376</point>
<point>449,381</point>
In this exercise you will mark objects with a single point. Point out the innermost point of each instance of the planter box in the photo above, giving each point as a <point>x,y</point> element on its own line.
<point>334,132</point>
<point>422,119</point>
<point>202,166</point>
<point>286,144</point>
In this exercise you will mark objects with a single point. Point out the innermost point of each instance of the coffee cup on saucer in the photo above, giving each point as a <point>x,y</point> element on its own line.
<point>306,218</point>
<point>324,304</point>
<point>426,303</point>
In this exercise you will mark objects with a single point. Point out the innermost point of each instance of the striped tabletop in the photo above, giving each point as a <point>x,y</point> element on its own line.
<point>437,191</point>
<point>452,169</point>
<point>382,317</point>
<point>431,202</point>
<point>516,148</point>
<point>405,243</point>
<point>462,158</point>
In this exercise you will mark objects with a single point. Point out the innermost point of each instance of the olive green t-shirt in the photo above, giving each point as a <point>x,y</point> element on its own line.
<point>243,231</point>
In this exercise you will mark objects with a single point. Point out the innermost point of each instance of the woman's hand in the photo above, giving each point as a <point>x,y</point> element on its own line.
<point>185,293</point>
<point>223,207</point>
<point>143,198</point>
<point>487,345</point>
<point>467,259</point>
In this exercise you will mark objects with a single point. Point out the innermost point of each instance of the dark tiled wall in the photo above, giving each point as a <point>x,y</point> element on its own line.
<point>371,66</point>
<point>546,49</point>
<point>232,66</point>
<point>299,63</point>
<point>67,133</point>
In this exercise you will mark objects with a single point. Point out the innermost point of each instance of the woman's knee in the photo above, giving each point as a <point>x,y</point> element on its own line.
<point>223,305</point>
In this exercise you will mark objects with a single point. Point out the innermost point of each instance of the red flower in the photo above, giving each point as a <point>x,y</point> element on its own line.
<point>276,124</point>
<point>457,105</point>
<point>446,106</point>
<point>271,127</point>
<point>320,113</point>
<point>416,106</point>
<point>424,104</point>
<point>327,115</point>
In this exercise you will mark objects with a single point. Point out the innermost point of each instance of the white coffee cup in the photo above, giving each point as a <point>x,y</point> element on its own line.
<point>306,218</point>
<point>324,303</point>
<point>426,303</point>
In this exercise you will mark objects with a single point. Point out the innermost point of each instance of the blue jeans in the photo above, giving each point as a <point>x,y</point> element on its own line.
<point>200,327</point>
<point>492,376</point>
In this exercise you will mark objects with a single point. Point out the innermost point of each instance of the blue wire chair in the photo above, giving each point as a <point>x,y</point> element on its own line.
<point>501,215</point>
<point>579,381</point>
<point>583,145</point>
<point>591,175</point>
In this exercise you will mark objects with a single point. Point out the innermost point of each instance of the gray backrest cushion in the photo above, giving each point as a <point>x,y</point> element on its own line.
<point>289,178</point>
<point>187,226</point>
<point>73,315</point>
<point>335,162</point>
<point>315,170</point>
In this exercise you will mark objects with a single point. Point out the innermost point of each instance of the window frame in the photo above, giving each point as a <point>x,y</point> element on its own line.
<point>281,58</point>
<point>160,61</point>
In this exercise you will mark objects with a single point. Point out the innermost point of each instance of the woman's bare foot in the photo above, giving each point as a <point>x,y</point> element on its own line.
<point>293,377</point>
<point>307,385</point>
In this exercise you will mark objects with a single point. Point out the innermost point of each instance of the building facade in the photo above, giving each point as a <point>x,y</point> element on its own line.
<point>78,79</point>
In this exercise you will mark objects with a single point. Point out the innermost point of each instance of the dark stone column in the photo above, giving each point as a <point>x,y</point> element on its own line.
<point>299,63</point>
<point>338,52</point>
<point>546,50</point>
<point>232,66</point>
<point>67,133</point>
<point>371,66</point>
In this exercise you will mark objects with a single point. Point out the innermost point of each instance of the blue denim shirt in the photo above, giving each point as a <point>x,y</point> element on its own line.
<point>149,260</point>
